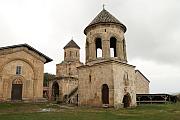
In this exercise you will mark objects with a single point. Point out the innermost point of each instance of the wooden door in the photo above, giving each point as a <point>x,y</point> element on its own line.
<point>16,93</point>
<point>105,94</point>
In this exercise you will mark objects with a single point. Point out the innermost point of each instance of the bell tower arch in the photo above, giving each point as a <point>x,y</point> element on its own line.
<point>105,34</point>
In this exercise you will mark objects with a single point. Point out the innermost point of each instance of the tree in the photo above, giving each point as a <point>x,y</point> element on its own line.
<point>47,78</point>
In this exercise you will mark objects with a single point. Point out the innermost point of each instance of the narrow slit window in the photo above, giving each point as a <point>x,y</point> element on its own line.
<point>70,53</point>
<point>90,78</point>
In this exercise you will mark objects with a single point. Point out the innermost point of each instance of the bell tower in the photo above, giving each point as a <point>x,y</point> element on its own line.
<point>71,52</point>
<point>105,39</point>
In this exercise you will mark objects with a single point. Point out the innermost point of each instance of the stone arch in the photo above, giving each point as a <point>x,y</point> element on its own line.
<point>120,51</point>
<point>98,45</point>
<point>17,79</point>
<point>21,59</point>
<point>55,91</point>
<point>105,94</point>
<point>127,100</point>
<point>114,35</point>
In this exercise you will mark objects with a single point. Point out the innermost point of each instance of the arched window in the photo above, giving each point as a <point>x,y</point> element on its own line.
<point>126,79</point>
<point>98,47</point>
<point>113,51</point>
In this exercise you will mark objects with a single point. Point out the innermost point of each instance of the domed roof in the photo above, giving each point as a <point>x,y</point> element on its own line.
<point>72,44</point>
<point>105,17</point>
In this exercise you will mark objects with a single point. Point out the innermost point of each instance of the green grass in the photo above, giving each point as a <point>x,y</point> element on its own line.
<point>30,111</point>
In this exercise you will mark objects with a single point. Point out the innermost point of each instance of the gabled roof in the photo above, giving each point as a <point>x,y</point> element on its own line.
<point>142,75</point>
<point>105,17</point>
<point>29,48</point>
<point>71,44</point>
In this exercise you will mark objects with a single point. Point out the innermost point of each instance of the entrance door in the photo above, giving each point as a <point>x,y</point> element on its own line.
<point>126,100</point>
<point>16,92</point>
<point>105,94</point>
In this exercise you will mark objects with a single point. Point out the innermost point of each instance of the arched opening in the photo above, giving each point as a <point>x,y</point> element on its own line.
<point>65,97</point>
<point>113,51</point>
<point>98,47</point>
<point>16,93</point>
<point>105,94</point>
<point>55,91</point>
<point>127,100</point>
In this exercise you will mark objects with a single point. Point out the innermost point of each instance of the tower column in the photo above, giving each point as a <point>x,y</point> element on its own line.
<point>106,48</point>
<point>124,49</point>
<point>92,51</point>
<point>120,50</point>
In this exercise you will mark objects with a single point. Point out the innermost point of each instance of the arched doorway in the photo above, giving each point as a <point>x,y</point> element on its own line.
<point>16,93</point>
<point>127,100</point>
<point>55,91</point>
<point>105,94</point>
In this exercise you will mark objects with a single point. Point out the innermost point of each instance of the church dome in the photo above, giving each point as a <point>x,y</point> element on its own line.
<point>104,17</point>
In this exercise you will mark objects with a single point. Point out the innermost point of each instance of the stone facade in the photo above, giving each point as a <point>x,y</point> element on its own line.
<point>30,74</point>
<point>92,78</point>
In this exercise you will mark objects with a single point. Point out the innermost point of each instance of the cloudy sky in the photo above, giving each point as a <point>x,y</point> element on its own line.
<point>152,37</point>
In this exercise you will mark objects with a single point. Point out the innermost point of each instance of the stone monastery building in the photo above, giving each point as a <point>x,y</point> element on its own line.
<point>106,79</point>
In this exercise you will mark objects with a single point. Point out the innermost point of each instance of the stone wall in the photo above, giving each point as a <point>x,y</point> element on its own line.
<point>142,83</point>
<point>66,69</point>
<point>110,73</point>
<point>123,85</point>
<point>71,54</point>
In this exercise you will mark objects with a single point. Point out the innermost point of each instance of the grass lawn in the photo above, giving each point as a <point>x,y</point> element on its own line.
<point>30,111</point>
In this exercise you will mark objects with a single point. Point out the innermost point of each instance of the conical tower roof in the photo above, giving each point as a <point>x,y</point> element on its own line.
<point>72,44</point>
<point>104,17</point>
